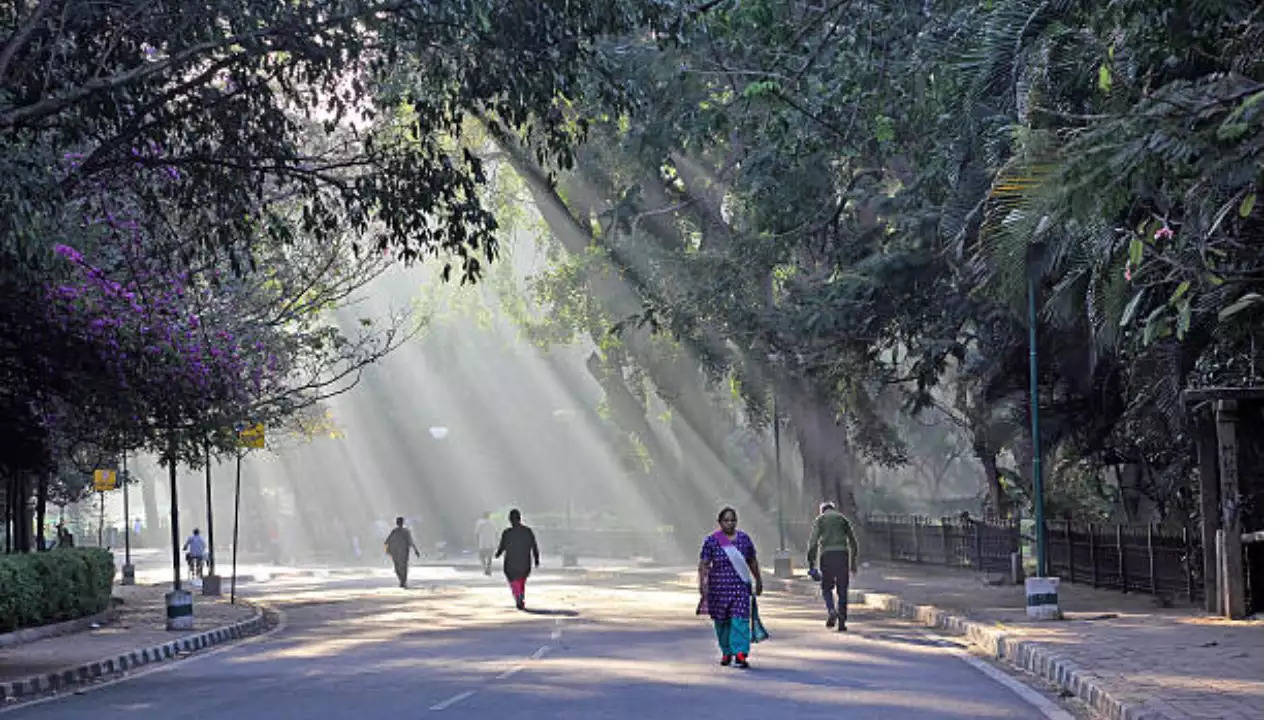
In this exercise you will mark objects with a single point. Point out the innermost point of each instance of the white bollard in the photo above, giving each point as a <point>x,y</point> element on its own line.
<point>178,611</point>
<point>1042,598</point>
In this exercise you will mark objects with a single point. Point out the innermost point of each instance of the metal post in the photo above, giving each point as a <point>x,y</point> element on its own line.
<point>1038,482</point>
<point>102,512</point>
<point>173,508</point>
<point>208,500</point>
<point>124,487</point>
<point>235,530</point>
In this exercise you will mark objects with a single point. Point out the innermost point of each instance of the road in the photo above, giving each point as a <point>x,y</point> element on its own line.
<point>599,645</point>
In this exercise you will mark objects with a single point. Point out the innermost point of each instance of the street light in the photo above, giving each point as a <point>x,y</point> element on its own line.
<point>438,432</point>
<point>1042,591</point>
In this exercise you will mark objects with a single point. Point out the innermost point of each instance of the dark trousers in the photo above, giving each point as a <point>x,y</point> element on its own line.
<point>402,567</point>
<point>835,574</point>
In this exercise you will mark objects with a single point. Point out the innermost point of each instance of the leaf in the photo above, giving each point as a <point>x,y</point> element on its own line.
<point>1104,79</point>
<point>1245,302</point>
<point>1135,251</point>
<point>1184,318</point>
<point>1246,206</point>
<point>1183,287</point>
<point>1131,308</point>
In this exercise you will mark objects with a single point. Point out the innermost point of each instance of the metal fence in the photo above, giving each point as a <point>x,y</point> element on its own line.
<point>957,541</point>
<point>1128,558</point>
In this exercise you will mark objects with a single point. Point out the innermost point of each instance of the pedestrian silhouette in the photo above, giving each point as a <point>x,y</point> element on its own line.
<point>397,545</point>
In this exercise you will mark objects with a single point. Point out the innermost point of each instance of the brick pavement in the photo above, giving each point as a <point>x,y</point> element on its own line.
<point>138,622</point>
<point>1172,663</point>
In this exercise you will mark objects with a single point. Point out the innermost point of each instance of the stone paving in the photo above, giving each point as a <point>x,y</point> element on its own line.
<point>1165,662</point>
<point>138,622</point>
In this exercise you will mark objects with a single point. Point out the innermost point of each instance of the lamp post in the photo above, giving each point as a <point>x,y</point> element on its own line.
<point>1042,590</point>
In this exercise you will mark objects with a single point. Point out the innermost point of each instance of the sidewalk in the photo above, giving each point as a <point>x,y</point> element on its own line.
<point>1148,662</point>
<point>135,626</point>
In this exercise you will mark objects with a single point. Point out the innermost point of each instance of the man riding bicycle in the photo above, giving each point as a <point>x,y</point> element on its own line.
<point>195,554</point>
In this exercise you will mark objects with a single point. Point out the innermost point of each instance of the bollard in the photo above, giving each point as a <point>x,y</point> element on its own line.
<point>178,611</point>
<point>211,585</point>
<point>1042,598</point>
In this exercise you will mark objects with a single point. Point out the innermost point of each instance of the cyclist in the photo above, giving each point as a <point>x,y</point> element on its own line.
<point>195,554</point>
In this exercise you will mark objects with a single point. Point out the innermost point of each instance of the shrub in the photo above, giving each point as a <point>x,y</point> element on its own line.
<point>62,584</point>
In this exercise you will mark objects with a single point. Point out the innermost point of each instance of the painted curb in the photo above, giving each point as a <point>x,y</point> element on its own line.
<point>40,632</point>
<point>72,676</point>
<point>1025,654</point>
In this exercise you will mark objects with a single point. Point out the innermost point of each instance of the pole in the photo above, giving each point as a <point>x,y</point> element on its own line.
<point>173,509</point>
<point>124,487</point>
<point>102,512</point>
<point>1041,555</point>
<point>208,500</point>
<point>235,530</point>
<point>777,470</point>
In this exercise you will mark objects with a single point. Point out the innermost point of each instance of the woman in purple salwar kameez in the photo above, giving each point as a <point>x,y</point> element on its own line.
<point>727,562</point>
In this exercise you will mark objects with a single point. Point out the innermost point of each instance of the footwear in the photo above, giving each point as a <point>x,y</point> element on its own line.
<point>519,603</point>
<point>726,659</point>
<point>741,659</point>
<point>841,627</point>
<point>831,620</point>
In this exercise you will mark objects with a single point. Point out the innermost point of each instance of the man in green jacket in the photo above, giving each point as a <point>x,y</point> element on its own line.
<point>832,534</point>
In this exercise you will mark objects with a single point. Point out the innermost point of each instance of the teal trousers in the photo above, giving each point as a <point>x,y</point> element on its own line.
<point>734,635</point>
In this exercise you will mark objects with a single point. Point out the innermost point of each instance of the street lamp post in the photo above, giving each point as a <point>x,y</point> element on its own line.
<point>1042,590</point>
<point>126,571</point>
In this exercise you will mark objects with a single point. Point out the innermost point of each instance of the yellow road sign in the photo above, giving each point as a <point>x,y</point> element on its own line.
<point>254,436</point>
<point>104,480</point>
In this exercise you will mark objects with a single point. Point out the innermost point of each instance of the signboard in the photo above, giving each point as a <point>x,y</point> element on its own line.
<point>104,480</point>
<point>254,436</point>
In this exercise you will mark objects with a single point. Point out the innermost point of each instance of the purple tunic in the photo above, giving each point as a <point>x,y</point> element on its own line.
<point>727,595</point>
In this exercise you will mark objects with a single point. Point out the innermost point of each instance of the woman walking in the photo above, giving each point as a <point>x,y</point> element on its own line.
<point>725,570</point>
<point>519,544</point>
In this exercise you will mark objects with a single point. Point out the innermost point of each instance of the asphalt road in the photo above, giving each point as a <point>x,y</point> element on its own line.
<point>597,645</point>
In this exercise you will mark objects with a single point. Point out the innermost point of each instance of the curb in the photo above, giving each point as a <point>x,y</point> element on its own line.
<point>1027,655</point>
<point>40,632</point>
<point>30,687</point>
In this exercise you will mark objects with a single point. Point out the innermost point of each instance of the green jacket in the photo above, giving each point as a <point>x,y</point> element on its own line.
<point>832,532</point>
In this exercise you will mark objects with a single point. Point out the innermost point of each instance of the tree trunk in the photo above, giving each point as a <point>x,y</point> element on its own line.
<point>150,509</point>
<point>995,493</point>
<point>42,499</point>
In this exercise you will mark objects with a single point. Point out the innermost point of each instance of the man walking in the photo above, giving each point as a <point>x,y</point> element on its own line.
<point>520,546</point>
<point>398,544</point>
<point>832,534</point>
<point>485,533</point>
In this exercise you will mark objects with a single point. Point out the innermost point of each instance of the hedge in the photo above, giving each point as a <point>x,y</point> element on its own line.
<point>49,587</point>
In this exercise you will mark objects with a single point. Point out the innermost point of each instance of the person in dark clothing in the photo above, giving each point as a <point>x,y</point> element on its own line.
<point>833,534</point>
<point>520,545</point>
<point>398,544</point>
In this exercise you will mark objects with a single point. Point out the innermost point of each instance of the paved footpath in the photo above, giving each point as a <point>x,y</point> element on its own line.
<point>594,644</point>
<point>1164,663</point>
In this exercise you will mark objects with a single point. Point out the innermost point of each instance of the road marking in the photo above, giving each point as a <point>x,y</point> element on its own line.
<point>281,622</point>
<point>558,631</point>
<point>1040,702</point>
<point>541,651</point>
<point>512,671</point>
<point>455,699</point>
